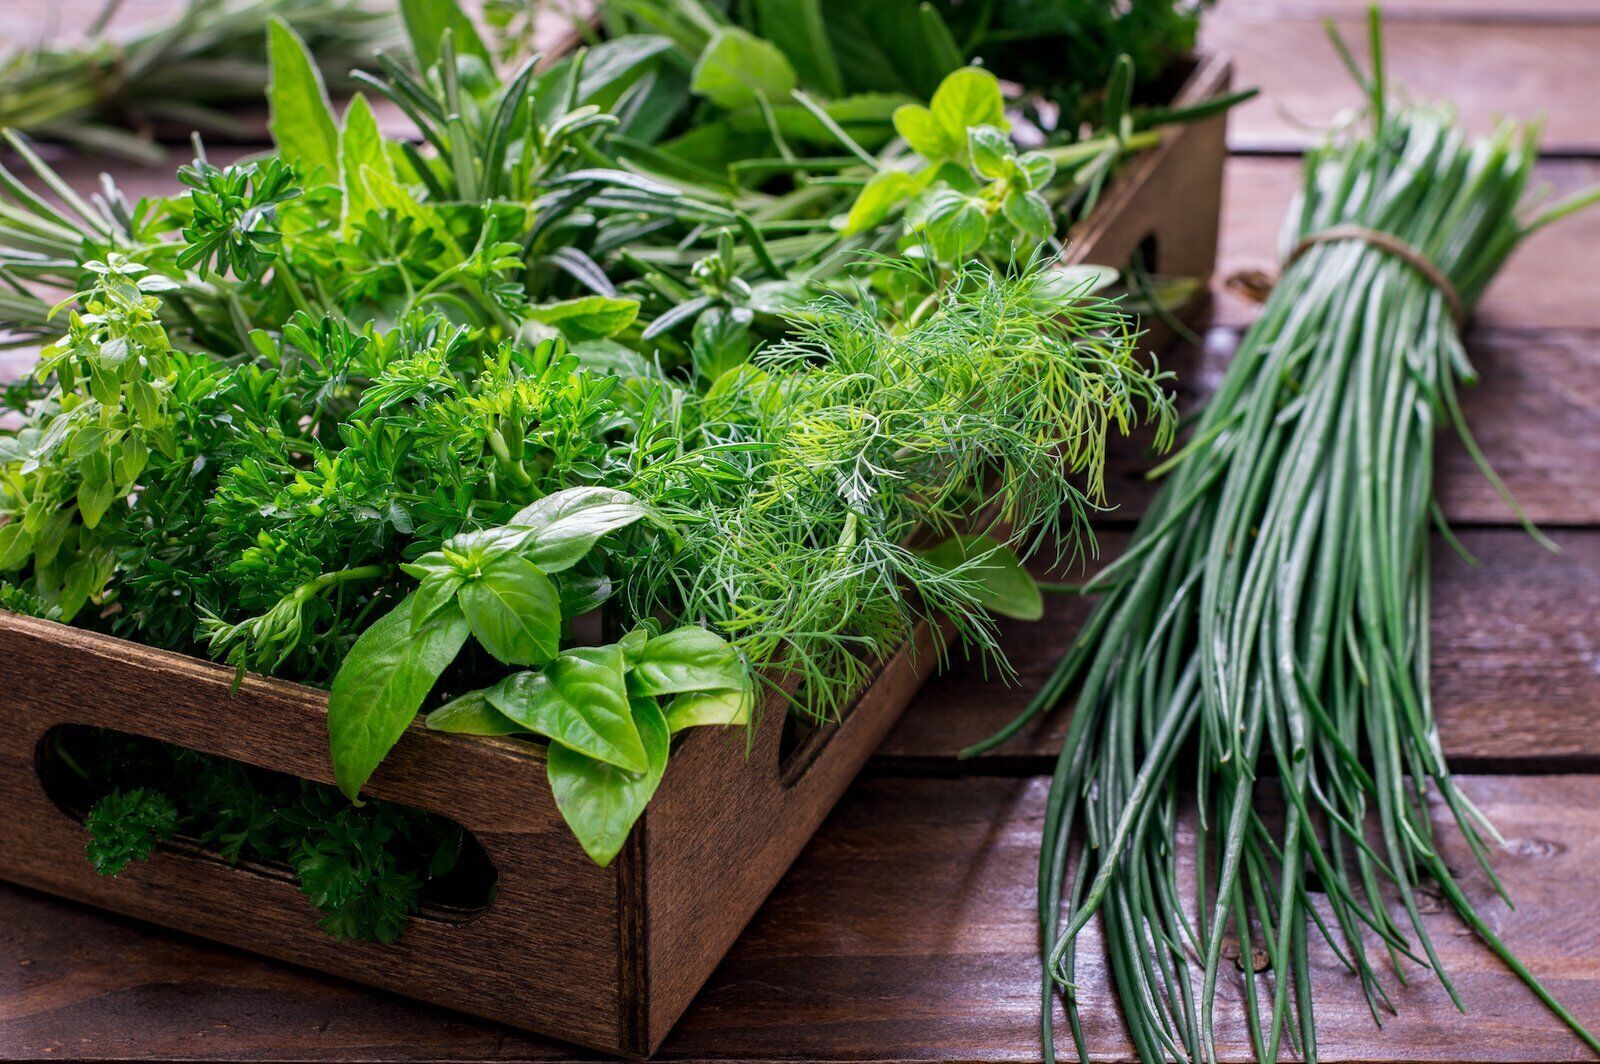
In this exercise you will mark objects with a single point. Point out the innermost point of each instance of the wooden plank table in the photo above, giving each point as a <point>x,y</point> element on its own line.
<point>905,931</point>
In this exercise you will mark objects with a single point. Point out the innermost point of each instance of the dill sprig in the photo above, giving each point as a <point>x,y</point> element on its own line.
<point>865,432</point>
<point>1270,618</point>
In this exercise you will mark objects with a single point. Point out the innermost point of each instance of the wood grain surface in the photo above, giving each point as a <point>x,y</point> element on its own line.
<point>1516,665</point>
<point>1486,65</point>
<point>904,932</point>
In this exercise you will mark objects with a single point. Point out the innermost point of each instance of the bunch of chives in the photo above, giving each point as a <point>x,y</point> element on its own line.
<point>1270,619</point>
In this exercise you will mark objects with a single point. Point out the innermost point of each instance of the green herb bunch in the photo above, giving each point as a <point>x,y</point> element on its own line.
<point>407,418</point>
<point>1270,618</point>
<point>802,93</point>
<point>109,95</point>
<point>365,870</point>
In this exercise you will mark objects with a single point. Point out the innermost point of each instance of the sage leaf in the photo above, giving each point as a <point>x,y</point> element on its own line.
<point>580,701</point>
<point>514,611</point>
<point>601,802</point>
<point>381,684</point>
<point>685,659</point>
<point>360,145</point>
<point>472,714</point>
<point>426,22</point>
<point>737,67</point>
<point>561,528</point>
<point>299,116</point>
<point>997,577</point>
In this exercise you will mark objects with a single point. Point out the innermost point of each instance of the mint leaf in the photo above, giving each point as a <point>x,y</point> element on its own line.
<point>736,67</point>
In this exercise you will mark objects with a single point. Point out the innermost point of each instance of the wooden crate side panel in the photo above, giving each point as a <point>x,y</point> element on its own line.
<point>715,851</point>
<point>1172,193</point>
<point>543,955</point>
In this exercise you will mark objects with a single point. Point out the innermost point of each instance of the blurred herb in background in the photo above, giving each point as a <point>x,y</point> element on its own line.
<point>110,94</point>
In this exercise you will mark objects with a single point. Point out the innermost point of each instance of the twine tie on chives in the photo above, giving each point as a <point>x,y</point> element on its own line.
<point>1256,285</point>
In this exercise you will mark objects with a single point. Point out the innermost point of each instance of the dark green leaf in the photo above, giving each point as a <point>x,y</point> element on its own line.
<point>796,27</point>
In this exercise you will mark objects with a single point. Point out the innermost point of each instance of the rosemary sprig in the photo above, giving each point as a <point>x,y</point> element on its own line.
<point>1271,618</point>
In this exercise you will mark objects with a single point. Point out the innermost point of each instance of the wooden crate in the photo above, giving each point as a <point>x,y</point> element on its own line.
<point>606,957</point>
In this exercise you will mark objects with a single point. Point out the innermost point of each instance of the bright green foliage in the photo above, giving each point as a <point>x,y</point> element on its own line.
<point>300,117</point>
<point>125,826</point>
<point>456,423</point>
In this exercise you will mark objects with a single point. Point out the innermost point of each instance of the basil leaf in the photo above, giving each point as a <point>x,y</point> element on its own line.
<point>300,119</point>
<point>580,701</point>
<point>736,67</point>
<point>471,714</point>
<point>561,528</point>
<point>685,659</point>
<point>380,685</point>
<point>999,581</point>
<point>435,592</point>
<point>514,611</point>
<point>692,709</point>
<point>601,802</point>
